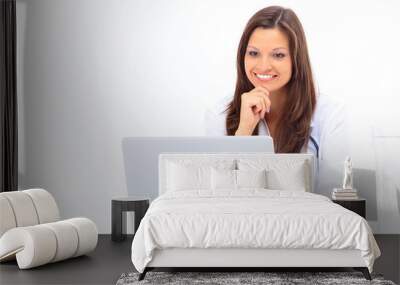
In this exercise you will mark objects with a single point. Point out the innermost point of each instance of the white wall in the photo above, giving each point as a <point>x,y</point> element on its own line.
<point>92,72</point>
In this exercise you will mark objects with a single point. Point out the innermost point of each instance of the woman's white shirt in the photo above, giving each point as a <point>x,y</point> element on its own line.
<point>328,138</point>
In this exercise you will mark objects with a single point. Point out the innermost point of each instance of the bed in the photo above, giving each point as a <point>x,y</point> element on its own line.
<point>247,210</point>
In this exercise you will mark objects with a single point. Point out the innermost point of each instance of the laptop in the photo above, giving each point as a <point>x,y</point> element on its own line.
<point>140,155</point>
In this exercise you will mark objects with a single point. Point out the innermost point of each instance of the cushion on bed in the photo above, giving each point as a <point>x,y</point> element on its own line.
<point>187,177</point>
<point>193,174</point>
<point>282,174</point>
<point>223,179</point>
<point>251,178</point>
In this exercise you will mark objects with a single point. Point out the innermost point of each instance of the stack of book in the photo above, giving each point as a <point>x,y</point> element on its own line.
<point>344,194</point>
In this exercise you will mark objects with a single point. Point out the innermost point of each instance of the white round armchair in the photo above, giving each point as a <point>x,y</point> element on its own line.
<point>31,230</point>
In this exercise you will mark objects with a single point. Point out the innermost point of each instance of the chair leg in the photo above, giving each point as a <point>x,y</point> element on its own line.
<point>364,271</point>
<point>143,274</point>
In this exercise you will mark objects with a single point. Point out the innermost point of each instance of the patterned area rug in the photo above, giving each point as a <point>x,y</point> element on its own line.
<point>275,278</point>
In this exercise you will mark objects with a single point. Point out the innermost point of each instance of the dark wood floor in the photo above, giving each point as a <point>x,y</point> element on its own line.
<point>111,259</point>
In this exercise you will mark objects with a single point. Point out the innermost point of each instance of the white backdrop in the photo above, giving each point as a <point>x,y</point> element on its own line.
<point>92,72</point>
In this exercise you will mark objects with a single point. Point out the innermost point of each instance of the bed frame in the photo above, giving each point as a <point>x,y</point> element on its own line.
<point>246,259</point>
<point>242,259</point>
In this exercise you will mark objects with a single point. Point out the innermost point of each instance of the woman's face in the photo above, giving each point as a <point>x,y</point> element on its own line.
<point>267,60</point>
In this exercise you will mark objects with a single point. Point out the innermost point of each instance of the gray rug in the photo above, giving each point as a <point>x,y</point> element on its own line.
<point>228,278</point>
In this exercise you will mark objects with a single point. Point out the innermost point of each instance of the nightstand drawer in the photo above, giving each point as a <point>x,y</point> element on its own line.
<point>357,206</point>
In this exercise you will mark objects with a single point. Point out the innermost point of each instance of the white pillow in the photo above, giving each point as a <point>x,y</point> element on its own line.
<point>282,174</point>
<point>189,174</point>
<point>237,179</point>
<point>251,178</point>
<point>187,177</point>
<point>294,179</point>
<point>223,179</point>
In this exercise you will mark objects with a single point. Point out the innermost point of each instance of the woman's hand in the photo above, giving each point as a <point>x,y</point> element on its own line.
<point>254,105</point>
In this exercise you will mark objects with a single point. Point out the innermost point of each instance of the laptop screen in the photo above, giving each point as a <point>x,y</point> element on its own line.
<point>141,155</point>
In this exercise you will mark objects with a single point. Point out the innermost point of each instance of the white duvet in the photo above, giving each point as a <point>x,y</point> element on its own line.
<point>251,218</point>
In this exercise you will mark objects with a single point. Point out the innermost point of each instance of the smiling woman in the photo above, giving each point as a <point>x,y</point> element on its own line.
<point>274,80</point>
<point>275,93</point>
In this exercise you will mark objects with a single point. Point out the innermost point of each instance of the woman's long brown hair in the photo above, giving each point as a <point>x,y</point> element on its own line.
<point>293,126</point>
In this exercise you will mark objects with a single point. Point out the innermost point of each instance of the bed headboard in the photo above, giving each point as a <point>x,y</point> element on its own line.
<point>165,158</point>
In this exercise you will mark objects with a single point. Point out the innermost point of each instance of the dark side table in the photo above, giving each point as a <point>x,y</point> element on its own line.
<point>137,204</point>
<point>357,205</point>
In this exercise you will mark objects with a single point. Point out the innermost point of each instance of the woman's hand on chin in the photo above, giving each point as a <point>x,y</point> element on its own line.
<point>254,105</point>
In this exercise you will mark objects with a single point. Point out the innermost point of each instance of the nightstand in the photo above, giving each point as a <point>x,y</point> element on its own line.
<point>357,205</point>
<point>136,204</point>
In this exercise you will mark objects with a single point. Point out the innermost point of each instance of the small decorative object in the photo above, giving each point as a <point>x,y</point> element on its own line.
<point>348,174</point>
<point>347,192</point>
